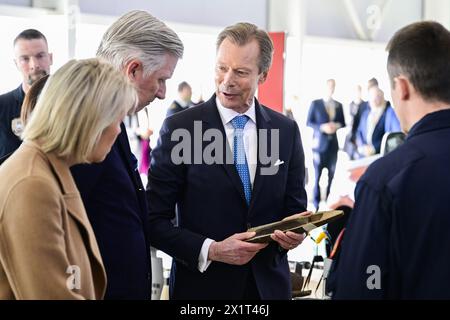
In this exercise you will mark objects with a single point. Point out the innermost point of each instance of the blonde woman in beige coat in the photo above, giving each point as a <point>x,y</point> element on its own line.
<point>47,247</point>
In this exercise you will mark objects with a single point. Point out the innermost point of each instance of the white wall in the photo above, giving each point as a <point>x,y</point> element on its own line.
<point>330,18</point>
<point>200,12</point>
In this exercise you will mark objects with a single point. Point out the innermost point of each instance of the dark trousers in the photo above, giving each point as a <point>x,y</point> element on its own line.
<point>321,161</point>
<point>251,290</point>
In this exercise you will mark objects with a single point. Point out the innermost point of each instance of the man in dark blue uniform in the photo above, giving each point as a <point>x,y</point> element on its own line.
<point>146,51</point>
<point>397,243</point>
<point>33,61</point>
<point>183,102</point>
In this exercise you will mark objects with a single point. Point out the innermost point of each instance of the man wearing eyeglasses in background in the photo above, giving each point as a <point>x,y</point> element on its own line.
<point>33,60</point>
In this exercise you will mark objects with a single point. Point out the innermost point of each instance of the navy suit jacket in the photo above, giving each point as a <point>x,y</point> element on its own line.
<point>115,202</point>
<point>317,116</point>
<point>388,122</point>
<point>211,204</point>
<point>398,233</point>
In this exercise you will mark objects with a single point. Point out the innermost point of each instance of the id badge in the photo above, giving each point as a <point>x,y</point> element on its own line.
<point>17,126</point>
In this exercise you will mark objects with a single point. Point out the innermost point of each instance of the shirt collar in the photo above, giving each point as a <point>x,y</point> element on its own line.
<point>227,114</point>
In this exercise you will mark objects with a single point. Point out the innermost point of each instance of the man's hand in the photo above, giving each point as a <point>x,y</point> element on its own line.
<point>290,240</point>
<point>367,150</point>
<point>233,250</point>
<point>328,128</point>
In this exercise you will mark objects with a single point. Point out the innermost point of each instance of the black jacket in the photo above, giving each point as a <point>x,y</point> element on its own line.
<point>10,105</point>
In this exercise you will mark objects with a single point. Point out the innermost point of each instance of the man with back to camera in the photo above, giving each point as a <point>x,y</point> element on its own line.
<point>33,60</point>
<point>219,201</point>
<point>397,241</point>
<point>146,51</point>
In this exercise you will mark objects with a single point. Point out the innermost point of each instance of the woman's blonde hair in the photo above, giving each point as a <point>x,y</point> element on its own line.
<point>77,103</point>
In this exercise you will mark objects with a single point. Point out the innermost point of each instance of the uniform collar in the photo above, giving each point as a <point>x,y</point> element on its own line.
<point>431,122</point>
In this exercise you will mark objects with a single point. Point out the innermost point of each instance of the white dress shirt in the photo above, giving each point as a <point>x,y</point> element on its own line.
<point>251,153</point>
<point>330,106</point>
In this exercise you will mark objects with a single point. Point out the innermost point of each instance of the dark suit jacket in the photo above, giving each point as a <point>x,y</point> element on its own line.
<point>400,221</point>
<point>388,122</point>
<point>114,199</point>
<point>211,204</point>
<point>317,116</point>
<point>10,105</point>
<point>175,107</point>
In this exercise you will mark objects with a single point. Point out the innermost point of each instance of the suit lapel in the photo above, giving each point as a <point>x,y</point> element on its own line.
<point>323,110</point>
<point>211,118</point>
<point>127,155</point>
<point>262,123</point>
<point>131,164</point>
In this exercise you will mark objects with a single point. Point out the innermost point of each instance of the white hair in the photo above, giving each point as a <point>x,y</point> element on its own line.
<point>139,35</point>
<point>78,102</point>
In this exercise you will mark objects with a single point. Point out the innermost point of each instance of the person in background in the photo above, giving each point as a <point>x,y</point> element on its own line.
<point>396,243</point>
<point>375,121</point>
<point>33,61</point>
<point>144,132</point>
<point>184,99</point>
<point>325,116</point>
<point>356,108</point>
<point>28,105</point>
<point>47,246</point>
<point>146,51</point>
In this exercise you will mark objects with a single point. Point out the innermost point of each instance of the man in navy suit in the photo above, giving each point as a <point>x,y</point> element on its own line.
<point>325,116</point>
<point>232,174</point>
<point>397,243</point>
<point>375,121</point>
<point>146,51</point>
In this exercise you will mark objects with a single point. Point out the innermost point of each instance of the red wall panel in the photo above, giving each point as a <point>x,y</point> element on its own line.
<point>270,93</point>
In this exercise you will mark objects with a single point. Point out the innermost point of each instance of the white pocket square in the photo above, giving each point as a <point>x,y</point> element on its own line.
<point>278,163</point>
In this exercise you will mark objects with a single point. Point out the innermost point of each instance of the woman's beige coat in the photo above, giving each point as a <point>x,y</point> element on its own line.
<point>47,247</point>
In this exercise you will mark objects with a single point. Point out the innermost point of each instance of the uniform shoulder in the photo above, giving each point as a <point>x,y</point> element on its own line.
<point>174,105</point>
<point>385,169</point>
<point>8,97</point>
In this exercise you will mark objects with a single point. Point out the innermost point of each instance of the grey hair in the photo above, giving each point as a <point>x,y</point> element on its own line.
<point>139,35</point>
<point>242,33</point>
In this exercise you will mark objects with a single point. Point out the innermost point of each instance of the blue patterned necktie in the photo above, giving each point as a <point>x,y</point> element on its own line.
<point>240,160</point>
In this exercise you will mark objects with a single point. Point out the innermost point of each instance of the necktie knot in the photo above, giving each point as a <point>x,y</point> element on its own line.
<point>239,122</point>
